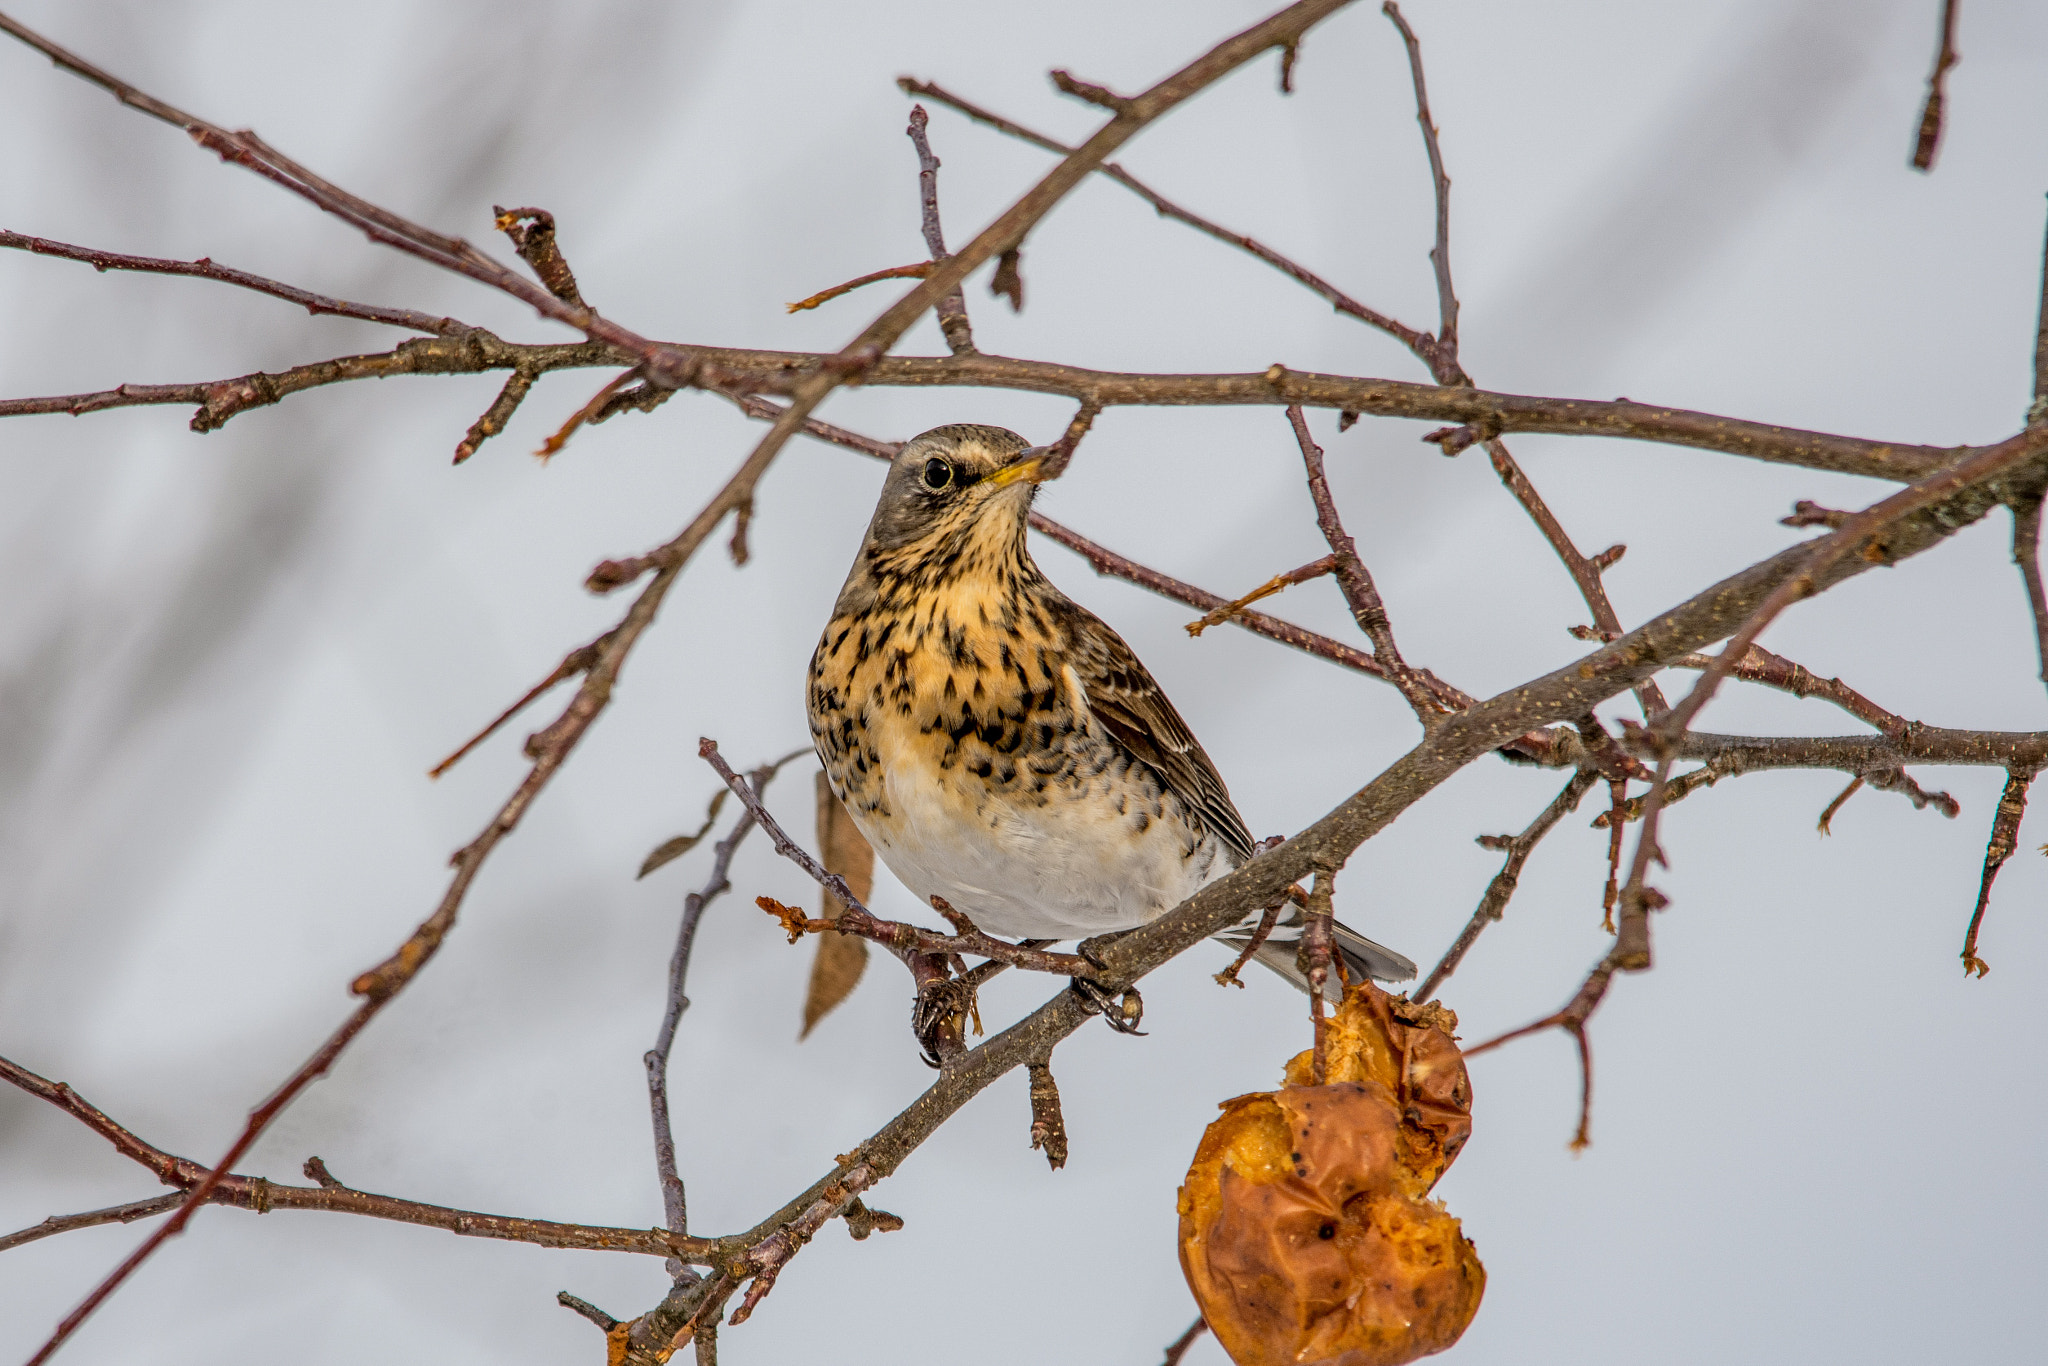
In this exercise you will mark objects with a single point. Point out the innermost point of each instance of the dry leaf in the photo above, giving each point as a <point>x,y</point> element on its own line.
<point>841,958</point>
<point>669,850</point>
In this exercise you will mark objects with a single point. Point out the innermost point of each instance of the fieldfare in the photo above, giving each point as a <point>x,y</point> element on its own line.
<point>998,744</point>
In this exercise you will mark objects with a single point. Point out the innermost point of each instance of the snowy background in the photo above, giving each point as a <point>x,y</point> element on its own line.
<point>225,662</point>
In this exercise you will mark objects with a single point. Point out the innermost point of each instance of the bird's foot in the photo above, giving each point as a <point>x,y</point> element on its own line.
<point>938,1016</point>
<point>1121,1012</point>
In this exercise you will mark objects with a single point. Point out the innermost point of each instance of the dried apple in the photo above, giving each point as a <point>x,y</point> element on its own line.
<point>1306,1229</point>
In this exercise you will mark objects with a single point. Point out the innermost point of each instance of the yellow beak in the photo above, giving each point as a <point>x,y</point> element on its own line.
<point>1027,470</point>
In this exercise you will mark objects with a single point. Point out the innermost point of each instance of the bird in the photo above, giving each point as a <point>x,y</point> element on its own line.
<point>999,745</point>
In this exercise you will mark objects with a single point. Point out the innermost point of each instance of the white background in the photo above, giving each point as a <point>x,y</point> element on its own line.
<point>226,661</point>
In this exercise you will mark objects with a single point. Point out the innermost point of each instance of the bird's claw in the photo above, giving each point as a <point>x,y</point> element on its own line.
<point>1121,1013</point>
<point>940,1008</point>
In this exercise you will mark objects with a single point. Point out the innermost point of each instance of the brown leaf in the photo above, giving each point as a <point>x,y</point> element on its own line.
<point>670,850</point>
<point>841,958</point>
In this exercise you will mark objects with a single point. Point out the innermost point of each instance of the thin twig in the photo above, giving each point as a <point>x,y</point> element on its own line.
<point>263,1196</point>
<point>577,661</point>
<point>952,307</point>
<point>1314,569</point>
<point>532,232</point>
<point>207,269</point>
<point>496,416</point>
<point>1444,362</point>
<point>1418,342</point>
<point>1827,817</point>
<point>1759,665</point>
<point>916,270</point>
<point>2026,554</point>
<point>1356,581</point>
<point>1937,97</point>
<point>674,1200</point>
<point>1586,573</point>
<point>1048,1123</point>
<point>1178,1348</point>
<point>1572,1020</point>
<point>1493,905</point>
<point>2005,835</point>
<point>119,1214</point>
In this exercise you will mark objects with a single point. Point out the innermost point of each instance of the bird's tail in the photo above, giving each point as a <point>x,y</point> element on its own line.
<point>1362,957</point>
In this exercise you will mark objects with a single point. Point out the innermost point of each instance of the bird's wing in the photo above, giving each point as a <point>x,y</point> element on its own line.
<point>1131,707</point>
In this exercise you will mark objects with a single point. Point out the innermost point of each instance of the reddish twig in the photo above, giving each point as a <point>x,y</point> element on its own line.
<point>917,270</point>
<point>1443,361</point>
<point>1048,1123</point>
<point>118,1214</point>
<point>2026,554</point>
<point>261,1195</point>
<point>532,232</point>
<point>2005,835</point>
<point>1178,1348</point>
<point>496,416</point>
<point>1585,572</point>
<point>1759,665</point>
<point>1259,935</point>
<point>768,1257</point>
<point>1493,905</point>
<point>1315,954</point>
<point>1827,817</point>
<point>674,1199</point>
<point>577,661</point>
<point>906,940</point>
<point>1937,96</point>
<point>1572,1020</point>
<point>1356,581</point>
<point>1314,569</point>
<point>1420,343</point>
<point>952,307</point>
<point>207,269</point>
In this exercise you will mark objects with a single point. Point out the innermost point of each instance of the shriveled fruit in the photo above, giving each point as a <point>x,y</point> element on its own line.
<point>1306,1229</point>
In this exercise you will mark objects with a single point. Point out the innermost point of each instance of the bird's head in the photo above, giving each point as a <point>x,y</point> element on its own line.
<point>955,496</point>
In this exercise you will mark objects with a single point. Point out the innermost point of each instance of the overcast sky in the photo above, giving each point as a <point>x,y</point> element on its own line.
<point>226,661</point>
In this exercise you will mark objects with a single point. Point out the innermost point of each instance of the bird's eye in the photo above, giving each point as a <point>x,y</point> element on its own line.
<point>937,474</point>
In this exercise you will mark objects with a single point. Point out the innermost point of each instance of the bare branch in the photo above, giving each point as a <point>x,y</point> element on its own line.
<point>261,1195</point>
<point>206,269</point>
<point>496,416</point>
<point>533,236</point>
<point>1930,115</point>
<point>1444,363</point>
<point>119,1214</point>
<point>1314,569</point>
<point>1419,343</point>
<point>1759,665</point>
<point>1178,1348</point>
<point>1356,581</point>
<point>1494,904</point>
<point>952,309</point>
<point>1585,572</point>
<point>916,270</point>
<point>1048,1124</point>
<point>2026,554</point>
<point>2005,835</point>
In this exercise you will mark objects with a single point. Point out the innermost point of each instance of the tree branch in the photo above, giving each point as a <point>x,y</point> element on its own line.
<point>1444,362</point>
<point>1930,114</point>
<point>261,1195</point>
<point>206,269</point>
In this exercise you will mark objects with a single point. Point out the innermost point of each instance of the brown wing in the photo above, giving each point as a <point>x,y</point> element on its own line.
<point>1132,708</point>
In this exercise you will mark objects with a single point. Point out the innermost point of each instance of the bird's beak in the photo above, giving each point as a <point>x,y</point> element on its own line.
<point>1031,469</point>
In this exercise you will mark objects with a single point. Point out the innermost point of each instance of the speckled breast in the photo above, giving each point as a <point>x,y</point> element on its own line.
<point>964,750</point>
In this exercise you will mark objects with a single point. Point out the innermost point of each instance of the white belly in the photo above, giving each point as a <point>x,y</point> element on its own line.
<point>1068,869</point>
